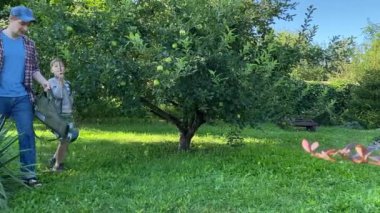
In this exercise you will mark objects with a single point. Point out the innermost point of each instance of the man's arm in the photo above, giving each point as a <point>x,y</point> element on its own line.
<point>41,80</point>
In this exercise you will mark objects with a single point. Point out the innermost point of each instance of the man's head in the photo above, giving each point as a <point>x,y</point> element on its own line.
<point>19,20</point>
<point>23,13</point>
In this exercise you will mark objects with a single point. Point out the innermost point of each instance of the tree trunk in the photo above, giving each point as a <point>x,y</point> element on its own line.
<point>185,140</point>
<point>186,128</point>
<point>188,132</point>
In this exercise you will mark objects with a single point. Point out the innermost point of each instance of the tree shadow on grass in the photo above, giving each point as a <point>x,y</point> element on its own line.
<point>150,127</point>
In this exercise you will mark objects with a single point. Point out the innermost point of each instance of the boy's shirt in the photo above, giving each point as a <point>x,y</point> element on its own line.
<point>62,96</point>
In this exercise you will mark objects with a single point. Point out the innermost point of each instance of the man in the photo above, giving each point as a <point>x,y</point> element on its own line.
<point>18,66</point>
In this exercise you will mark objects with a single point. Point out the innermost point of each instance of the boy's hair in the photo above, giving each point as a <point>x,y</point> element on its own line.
<point>56,60</point>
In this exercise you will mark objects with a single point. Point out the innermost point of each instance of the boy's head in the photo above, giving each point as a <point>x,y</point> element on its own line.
<point>57,67</point>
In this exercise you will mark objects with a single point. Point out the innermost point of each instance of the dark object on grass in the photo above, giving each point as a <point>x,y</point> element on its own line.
<point>309,124</point>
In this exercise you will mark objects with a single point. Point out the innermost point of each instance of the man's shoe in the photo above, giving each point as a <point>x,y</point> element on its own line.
<point>32,182</point>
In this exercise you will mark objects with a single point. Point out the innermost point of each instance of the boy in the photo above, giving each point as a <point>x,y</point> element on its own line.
<point>63,100</point>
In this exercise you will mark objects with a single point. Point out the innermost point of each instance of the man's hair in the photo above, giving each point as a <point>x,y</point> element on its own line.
<point>56,60</point>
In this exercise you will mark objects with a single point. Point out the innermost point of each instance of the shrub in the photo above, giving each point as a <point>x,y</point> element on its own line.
<point>365,106</point>
<point>323,102</point>
<point>6,141</point>
<point>234,138</point>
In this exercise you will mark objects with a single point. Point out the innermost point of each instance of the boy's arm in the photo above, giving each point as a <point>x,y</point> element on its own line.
<point>41,80</point>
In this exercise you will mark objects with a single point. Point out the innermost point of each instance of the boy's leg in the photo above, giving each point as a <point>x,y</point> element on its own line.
<point>62,148</point>
<point>60,153</point>
<point>64,143</point>
<point>22,113</point>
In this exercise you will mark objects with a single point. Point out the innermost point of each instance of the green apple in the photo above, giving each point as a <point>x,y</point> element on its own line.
<point>160,68</point>
<point>69,29</point>
<point>168,59</point>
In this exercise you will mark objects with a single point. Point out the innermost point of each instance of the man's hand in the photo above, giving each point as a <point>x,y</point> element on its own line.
<point>46,86</point>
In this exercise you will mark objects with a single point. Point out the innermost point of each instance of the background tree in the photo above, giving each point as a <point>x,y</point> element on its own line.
<point>371,31</point>
<point>209,60</point>
<point>315,63</point>
<point>340,51</point>
<point>4,4</point>
<point>365,105</point>
<point>187,62</point>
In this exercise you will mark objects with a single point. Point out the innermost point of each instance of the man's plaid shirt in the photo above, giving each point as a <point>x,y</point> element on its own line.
<point>31,64</point>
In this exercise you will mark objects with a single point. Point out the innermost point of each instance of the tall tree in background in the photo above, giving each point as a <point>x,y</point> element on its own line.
<point>365,104</point>
<point>208,60</point>
<point>371,31</point>
<point>314,62</point>
<point>188,62</point>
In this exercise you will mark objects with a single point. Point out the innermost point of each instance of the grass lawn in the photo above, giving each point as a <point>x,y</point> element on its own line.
<point>135,167</point>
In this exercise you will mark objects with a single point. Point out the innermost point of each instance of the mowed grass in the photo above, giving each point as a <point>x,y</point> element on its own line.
<point>134,166</point>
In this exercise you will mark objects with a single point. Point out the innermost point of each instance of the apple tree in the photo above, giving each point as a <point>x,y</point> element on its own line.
<point>204,60</point>
<point>188,62</point>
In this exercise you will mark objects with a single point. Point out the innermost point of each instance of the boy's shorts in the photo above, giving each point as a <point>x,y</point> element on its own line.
<point>68,118</point>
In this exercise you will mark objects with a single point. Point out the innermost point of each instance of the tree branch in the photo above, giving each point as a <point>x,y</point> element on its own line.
<point>162,114</point>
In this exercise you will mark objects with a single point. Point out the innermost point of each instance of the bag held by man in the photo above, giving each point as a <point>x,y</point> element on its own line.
<point>46,112</point>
